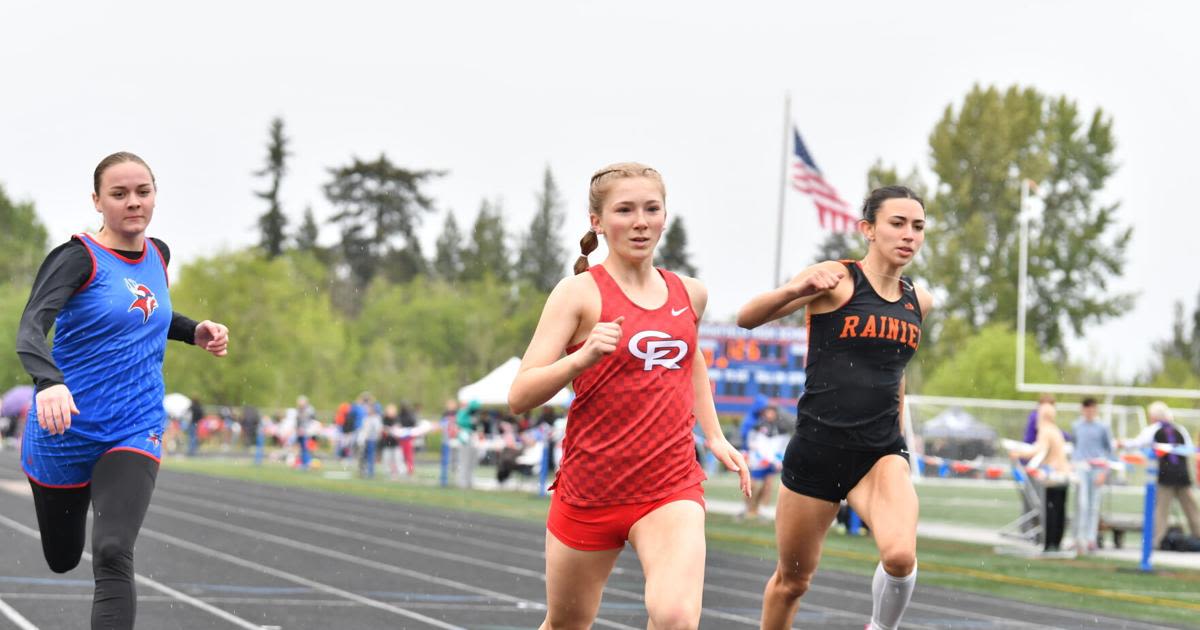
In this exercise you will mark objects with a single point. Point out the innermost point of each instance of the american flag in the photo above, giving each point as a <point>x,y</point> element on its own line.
<point>834,213</point>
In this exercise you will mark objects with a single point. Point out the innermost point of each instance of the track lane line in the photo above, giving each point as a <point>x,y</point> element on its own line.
<point>152,583</point>
<point>418,549</point>
<point>16,617</point>
<point>344,557</point>
<point>297,579</point>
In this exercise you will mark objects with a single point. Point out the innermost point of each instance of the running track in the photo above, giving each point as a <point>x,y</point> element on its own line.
<point>229,554</point>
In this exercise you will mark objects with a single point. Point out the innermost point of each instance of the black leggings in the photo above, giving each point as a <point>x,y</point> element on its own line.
<point>1056,516</point>
<point>122,482</point>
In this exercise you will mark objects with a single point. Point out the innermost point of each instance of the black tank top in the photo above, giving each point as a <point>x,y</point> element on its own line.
<point>1172,469</point>
<point>856,358</point>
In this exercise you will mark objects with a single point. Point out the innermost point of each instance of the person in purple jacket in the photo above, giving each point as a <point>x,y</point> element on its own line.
<point>1031,426</point>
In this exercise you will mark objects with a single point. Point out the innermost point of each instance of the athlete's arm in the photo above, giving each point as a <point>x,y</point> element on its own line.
<point>544,369</point>
<point>805,288</point>
<point>64,271</point>
<point>182,327</point>
<point>213,337</point>
<point>925,300</point>
<point>703,407</point>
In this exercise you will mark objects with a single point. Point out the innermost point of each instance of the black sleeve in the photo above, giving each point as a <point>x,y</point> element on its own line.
<point>64,271</point>
<point>182,327</point>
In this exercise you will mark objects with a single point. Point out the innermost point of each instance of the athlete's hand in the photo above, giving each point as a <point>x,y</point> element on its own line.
<point>602,341</point>
<point>733,460</point>
<point>54,408</point>
<point>817,281</point>
<point>213,337</point>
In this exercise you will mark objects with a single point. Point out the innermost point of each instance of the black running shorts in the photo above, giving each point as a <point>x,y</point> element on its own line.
<point>829,473</point>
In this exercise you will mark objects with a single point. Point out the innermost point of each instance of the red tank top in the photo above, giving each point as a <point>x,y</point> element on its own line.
<point>629,429</point>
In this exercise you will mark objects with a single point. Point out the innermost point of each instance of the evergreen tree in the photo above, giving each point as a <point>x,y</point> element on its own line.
<point>487,254</point>
<point>542,259</point>
<point>672,252</point>
<point>272,224</point>
<point>402,265</point>
<point>308,232</point>
<point>380,206</point>
<point>448,257</point>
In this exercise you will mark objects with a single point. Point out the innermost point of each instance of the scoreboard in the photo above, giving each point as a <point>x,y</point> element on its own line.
<point>742,364</point>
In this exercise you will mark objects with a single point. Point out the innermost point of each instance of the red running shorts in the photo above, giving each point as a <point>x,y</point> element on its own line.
<point>606,527</point>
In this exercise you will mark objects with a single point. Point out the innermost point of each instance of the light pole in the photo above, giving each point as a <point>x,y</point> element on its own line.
<point>1023,216</point>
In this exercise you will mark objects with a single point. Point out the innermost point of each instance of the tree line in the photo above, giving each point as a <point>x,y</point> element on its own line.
<point>372,311</point>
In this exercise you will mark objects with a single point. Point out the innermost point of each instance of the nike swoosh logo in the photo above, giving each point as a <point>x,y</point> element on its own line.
<point>676,313</point>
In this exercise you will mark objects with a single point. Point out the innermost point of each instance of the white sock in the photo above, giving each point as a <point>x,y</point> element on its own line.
<point>889,597</point>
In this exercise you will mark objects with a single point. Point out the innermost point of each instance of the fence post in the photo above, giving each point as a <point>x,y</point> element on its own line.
<point>547,458</point>
<point>1148,512</point>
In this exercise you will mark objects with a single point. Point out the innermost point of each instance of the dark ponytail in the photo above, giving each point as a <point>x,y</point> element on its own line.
<point>874,200</point>
<point>587,245</point>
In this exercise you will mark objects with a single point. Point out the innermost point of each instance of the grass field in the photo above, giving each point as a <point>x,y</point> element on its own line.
<point>1087,584</point>
<point>969,504</point>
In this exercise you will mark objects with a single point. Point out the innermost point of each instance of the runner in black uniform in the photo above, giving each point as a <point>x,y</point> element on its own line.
<point>864,325</point>
<point>94,435</point>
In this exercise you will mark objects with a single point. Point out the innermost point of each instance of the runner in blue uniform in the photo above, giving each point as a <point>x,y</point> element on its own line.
<point>94,432</point>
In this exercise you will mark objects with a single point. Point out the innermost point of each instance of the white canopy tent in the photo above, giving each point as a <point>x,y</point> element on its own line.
<point>493,388</point>
<point>178,406</point>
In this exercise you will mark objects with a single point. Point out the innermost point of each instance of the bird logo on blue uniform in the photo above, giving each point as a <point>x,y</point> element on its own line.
<point>145,302</point>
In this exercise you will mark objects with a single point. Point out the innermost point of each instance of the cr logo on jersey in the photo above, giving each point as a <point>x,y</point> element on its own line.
<point>145,302</point>
<point>656,352</point>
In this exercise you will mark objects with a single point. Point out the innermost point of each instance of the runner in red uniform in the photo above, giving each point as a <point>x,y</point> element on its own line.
<point>629,469</point>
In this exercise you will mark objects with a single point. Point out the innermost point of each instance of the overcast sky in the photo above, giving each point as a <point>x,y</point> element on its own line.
<point>492,92</point>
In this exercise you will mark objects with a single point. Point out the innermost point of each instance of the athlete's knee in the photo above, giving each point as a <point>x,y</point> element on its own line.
<point>63,562</point>
<point>112,555</point>
<point>675,615</point>
<point>568,619</point>
<point>899,562</point>
<point>792,584</point>
<point>554,622</point>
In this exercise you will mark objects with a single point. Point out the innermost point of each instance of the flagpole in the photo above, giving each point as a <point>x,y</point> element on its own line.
<point>783,176</point>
